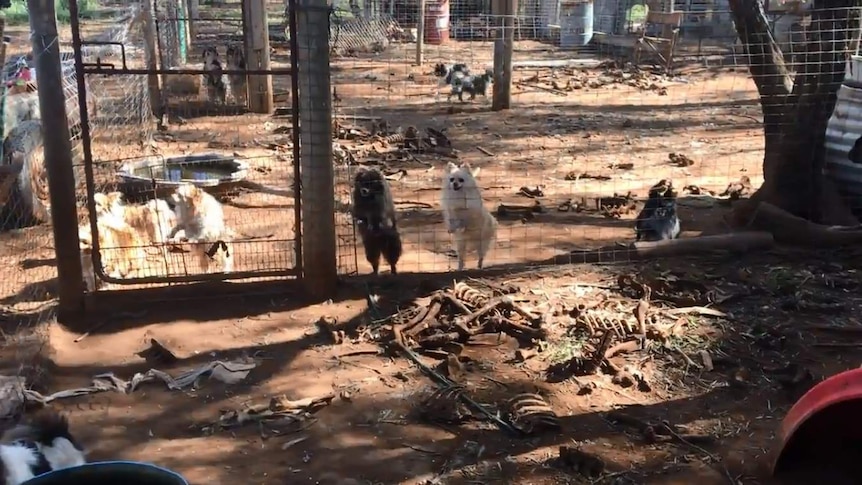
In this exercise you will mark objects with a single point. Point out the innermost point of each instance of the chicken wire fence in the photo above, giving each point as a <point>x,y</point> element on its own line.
<point>609,105</point>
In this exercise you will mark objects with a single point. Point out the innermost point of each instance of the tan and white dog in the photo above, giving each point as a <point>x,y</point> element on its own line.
<point>154,219</point>
<point>121,248</point>
<point>464,213</point>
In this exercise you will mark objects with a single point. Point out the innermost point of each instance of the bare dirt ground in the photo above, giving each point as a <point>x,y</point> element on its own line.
<point>727,377</point>
<point>601,131</point>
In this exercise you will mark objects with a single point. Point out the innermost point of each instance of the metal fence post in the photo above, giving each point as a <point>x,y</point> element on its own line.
<point>315,113</point>
<point>58,157</point>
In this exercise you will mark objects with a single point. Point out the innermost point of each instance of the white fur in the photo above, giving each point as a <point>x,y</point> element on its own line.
<point>19,462</point>
<point>464,213</point>
<point>107,222</point>
<point>62,454</point>
<point>165,219</point>
<point>200,222</point>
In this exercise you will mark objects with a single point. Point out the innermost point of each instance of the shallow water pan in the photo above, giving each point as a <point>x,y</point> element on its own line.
<point>160,176</point>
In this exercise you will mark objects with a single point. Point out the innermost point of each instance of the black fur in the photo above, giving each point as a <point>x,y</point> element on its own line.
<point>374,213</point>
<point>236,53</point>
<point>50,425</point>
<point>855,154</point>
<point>658,219</point>
<point>214,78</point>
<point>472,85</point>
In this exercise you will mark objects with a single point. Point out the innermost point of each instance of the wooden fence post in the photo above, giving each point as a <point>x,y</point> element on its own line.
<point>194,13</point>
<point>420,33</point>
<point>152,54</point>
<point>315,113</point>
<point>256,34</point>
<point>58,157</point>
<point>504,12</point>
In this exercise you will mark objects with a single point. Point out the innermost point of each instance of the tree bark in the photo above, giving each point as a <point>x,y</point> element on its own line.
<point>795,113</point>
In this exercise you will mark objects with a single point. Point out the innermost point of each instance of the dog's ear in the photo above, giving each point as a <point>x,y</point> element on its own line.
<point>451,167</point>
<point>472,171</point>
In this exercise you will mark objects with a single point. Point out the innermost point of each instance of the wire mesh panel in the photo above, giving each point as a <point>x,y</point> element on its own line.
<point>609,98</point>
<point>28,292</point>
<point>200,188</point>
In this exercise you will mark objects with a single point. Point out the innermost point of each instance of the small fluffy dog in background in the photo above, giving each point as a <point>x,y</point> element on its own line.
<point>471,85</point>
<point>464,213</point>
<point>214,81</point>
<point>658,219</point>
<point>42,445</point>
<point>238,82</point>
<point>374,213</point>
<point>200,221</point>
<point>448,74</point>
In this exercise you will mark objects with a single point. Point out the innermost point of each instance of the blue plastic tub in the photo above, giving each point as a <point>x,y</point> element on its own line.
<point>110,473</point>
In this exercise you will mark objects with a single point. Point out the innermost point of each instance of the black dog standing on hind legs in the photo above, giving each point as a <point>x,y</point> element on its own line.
<point>374,213</point>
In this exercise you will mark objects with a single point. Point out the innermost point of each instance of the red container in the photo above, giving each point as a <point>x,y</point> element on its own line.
<point>436,21</point>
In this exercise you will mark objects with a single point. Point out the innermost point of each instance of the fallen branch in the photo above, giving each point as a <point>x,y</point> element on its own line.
<point>737,241</point>
<point>539,86</point>
<point>486,151</point>
<point>790,229</point>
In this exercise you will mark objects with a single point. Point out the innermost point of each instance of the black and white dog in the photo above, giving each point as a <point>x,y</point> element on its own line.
<point>447,73</point>
<point>374,212</point>
<point>216,88</point>
<point>658,219</point>
<point>472,85</point>
<point>37,447</point>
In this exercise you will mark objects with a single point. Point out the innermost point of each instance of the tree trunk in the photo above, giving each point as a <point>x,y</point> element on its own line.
<point>795,112</point>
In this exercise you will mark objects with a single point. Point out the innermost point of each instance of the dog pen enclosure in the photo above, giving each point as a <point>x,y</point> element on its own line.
<point>152,125</point>
<point>229,146</point>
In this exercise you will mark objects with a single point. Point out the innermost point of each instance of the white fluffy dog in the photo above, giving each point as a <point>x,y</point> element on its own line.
<point>200,221</point>
<point>464,213</point>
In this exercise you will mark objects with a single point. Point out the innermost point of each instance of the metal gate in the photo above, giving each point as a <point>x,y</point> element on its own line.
<point>183,183</point>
